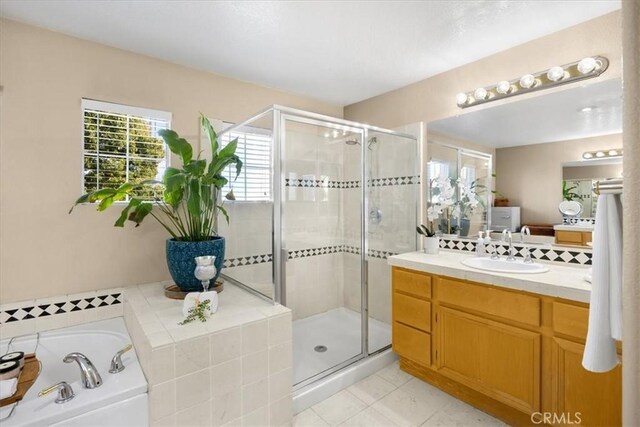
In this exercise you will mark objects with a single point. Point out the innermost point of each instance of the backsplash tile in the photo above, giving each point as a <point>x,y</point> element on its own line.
<point>61,311</point>
<point>328,183</point>
<point>555,254</point>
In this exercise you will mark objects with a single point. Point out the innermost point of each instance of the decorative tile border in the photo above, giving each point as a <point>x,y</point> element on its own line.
<point>66,304</point>
<point>327,183</point>
<point>247,260</point>
<point>396,180</point>
<point>571,256</point>
<point>305,253</point>
<point>320,183</point>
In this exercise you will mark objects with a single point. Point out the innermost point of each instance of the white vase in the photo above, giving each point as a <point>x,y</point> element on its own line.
<point>432,245</point>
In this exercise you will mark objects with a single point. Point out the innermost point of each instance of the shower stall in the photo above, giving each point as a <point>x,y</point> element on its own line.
<point>326,201</point>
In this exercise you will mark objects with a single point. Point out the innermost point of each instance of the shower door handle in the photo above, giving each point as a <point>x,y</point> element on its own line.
<point>284,257</point>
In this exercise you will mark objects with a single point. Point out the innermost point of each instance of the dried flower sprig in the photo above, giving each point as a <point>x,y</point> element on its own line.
<point>199,312</point>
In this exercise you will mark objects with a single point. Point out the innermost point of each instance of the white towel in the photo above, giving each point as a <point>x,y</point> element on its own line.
<point>8,388</point>
<point>605,310</point>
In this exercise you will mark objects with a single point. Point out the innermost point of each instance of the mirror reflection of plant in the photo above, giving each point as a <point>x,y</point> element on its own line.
<point>568,193</point>
<point>189,206</point>
<point>443,203</point>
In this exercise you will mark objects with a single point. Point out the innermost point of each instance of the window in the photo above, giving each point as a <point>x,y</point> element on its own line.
<point>254,149</point>
<point>121,144</point>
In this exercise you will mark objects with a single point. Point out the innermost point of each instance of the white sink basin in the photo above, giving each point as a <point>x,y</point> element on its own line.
<point>504,266</point>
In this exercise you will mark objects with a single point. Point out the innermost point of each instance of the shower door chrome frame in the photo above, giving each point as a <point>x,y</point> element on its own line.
<point>295,116</point>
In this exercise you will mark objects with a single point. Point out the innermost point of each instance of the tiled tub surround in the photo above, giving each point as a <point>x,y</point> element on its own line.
<point>31,316</point>
<point>234,369</point>
<point>562,280</point>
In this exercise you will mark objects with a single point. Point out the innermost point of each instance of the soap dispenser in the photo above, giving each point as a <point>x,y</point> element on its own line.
<point>480,248</point>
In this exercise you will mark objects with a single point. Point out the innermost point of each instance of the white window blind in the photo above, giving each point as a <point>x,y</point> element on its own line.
<point>121,144</point>
<point>254,149</point>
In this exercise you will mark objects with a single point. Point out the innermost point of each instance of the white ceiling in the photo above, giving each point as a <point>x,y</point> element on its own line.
<point>341,52</point>
<point>545,118</point>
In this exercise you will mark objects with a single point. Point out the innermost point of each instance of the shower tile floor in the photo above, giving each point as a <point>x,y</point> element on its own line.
<point>392,398</point>
<point>339,331</point>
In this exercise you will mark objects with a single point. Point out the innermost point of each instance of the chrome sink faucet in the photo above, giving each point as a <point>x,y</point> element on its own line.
<point>493,251</point>
<point>525,231</point>
<point>88,373</point>
<point>508,237</point>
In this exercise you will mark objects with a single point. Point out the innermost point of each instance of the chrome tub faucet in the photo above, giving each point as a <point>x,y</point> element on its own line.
<point>88,372</point>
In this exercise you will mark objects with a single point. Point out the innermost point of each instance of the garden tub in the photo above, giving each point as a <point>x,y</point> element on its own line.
<point>121,400</point>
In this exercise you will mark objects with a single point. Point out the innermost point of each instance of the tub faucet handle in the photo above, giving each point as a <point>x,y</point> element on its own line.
<point>65,392</point>
<point>116,362</point>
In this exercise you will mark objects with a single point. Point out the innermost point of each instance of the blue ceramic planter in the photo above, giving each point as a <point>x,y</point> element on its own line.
<point>180,259</point>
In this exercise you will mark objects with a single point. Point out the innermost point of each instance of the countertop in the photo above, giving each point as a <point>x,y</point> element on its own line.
<point>562,281</point>
<point>578,227</point>
<point>158,316</point>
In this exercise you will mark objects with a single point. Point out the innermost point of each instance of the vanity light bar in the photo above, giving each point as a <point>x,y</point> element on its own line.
<point>586,68</point>
<point>602,154</point>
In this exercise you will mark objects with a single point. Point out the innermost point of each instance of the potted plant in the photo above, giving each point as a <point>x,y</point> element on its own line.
<point>186,203</point>
<point>431,241</point>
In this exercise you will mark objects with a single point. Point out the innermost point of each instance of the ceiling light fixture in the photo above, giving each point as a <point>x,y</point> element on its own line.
<point>586,68</point>
<point>601,154</point>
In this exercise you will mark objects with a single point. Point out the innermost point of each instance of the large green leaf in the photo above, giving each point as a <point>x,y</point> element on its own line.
<point>125,212</point>
<point>177,145</point>
<point>193,198</point>
<point>229,149</point>
<point>140,212</point>
<point>211,133</point>
<point>196,167</point>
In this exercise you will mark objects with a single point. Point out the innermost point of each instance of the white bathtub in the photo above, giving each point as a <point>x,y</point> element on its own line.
<point>121,400</point>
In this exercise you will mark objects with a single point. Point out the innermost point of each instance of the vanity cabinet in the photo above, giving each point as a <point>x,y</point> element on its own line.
<point>509,353</point>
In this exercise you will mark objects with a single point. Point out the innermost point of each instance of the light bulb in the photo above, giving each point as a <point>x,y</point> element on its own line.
<point>326,135</point>
<point>613,153</point>
<point>599,154</point>
<point>587,155</point>
<point>503,87</point>
<point>480,93</point>
<point>555,73</point>
<point>461,98</point>
<point>527,81</point>
<point>587,65</point>
<point>335,133</point>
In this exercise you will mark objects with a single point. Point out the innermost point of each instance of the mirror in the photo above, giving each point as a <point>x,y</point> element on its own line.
<point>578,180</point>
<point>537,144</point>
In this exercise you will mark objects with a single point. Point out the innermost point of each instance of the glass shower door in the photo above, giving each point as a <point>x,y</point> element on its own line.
<point>391,196</point>
<point>321,226</point>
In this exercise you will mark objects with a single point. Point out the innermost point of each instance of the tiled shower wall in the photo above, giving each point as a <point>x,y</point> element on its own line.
<point>323,224</point>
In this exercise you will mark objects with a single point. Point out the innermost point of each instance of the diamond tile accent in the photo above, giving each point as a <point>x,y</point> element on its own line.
<point>58,307</point>
<point>325,182</point>
<point>579,257</point>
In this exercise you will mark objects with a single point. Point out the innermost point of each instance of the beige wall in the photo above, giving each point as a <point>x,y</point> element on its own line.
<point>591,172</point>
<point>531,175</point>
<point>44,75</point>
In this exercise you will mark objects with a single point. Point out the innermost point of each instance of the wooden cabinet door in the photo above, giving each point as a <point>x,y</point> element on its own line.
<point>596,396</point>
<point>498,360</point>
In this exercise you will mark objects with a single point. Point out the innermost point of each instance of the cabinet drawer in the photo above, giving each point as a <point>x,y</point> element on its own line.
<point>412,311</point>
<point>486,299</point>
<point>412,283</point>
<point>412,343</point>
<point>570,319</point>
<point>569,236</point>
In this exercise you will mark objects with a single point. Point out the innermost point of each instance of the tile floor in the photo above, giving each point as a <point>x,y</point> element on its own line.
<point>391,398</point>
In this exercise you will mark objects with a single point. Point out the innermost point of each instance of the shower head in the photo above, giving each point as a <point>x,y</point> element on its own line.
<point>352,142</point>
